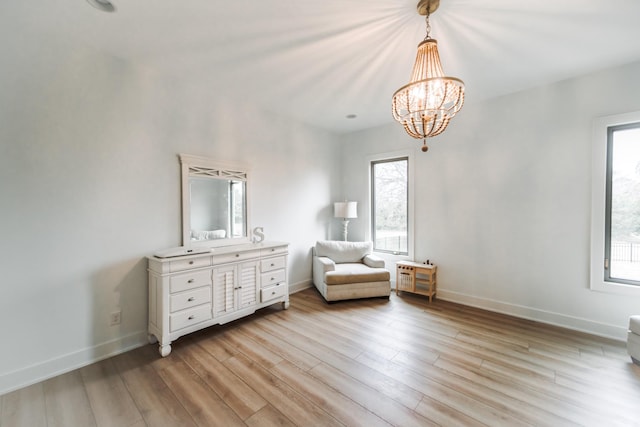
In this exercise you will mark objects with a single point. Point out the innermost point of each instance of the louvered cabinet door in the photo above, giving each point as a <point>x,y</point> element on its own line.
<point>224,287</point>
<point>248,287</point>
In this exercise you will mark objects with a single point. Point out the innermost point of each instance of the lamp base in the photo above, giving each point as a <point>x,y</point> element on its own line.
<point>345,225</point>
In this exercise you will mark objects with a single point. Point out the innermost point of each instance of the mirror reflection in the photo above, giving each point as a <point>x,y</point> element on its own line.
<point>217,208</point>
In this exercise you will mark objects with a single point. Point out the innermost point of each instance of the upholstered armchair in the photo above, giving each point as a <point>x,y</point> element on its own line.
<point>349,270</point>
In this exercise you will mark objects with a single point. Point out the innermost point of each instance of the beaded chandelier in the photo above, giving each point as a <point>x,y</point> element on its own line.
<point>429,101</point>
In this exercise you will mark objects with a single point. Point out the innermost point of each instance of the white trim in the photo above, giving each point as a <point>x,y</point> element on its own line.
<point>598,194</point>
<point>300,286</point>
<point>59,365</point>
<point>580,324</point>
<point>411,202</point>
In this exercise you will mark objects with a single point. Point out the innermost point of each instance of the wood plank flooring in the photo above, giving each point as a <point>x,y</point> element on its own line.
<point>402,362</point>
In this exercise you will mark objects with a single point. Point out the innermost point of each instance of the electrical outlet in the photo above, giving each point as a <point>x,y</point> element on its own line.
<point>115,318</point>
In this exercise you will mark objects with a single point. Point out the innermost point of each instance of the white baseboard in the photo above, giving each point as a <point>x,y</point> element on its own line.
<point>48,369</point>
<point>557,319</point>
<point>300,286</point>
<point>42,371</point>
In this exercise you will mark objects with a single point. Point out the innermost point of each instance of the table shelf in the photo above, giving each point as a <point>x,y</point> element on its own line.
<point>416,278</point>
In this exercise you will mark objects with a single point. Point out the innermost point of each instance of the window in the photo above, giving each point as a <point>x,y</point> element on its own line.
<point>622,213</point>
<point>615,209</point>
<point>237,203</point>
<point>390,205</point>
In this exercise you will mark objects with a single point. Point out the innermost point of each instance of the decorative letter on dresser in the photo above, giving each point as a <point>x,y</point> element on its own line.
<point>188,293</point>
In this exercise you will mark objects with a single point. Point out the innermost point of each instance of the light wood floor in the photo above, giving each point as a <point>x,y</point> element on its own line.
<point>401,362</point>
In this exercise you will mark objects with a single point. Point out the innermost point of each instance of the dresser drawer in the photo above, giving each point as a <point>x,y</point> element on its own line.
<point>270,264</point>
<point>273,292</point>
<point>189,263</point>
<point>235,256</point>
<point>277,250</point>
<point>189,317</point>
<point>189,299</point>
<point>190,280</point>
<point>271,278</point>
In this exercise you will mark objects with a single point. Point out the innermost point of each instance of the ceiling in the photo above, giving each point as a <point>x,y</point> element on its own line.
<point>322,60</point>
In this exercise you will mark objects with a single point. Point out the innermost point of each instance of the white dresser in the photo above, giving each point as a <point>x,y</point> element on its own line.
<point>192,292</point>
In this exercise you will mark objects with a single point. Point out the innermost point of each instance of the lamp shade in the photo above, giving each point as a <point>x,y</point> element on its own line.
<point>345,209</point>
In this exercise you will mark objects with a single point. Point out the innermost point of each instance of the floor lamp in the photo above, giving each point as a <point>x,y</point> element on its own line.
<point>345,210</point>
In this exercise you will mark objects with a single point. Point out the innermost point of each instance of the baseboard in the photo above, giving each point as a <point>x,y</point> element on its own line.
<point>42,371</point>
<point>48,369</point>
<point>557,319</point>
<point>300,286</point>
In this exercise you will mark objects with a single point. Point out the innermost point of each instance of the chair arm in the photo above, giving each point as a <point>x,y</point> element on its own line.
<point>325,263</point>
<point>321,265</point>
<point>373,261</point>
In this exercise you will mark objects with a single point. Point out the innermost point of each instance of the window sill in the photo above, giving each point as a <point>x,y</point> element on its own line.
<point>615,288</point>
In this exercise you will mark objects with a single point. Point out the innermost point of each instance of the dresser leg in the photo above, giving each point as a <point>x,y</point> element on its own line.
<point>285,305</point>
<point>164,350</point>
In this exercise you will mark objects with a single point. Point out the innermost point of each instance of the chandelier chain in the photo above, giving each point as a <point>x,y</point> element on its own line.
<point>428,24</point>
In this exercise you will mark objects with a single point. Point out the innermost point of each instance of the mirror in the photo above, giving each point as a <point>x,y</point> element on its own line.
<point>214,203</point>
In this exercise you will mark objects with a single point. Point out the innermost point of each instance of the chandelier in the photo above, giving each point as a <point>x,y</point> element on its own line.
<point>429,101</point>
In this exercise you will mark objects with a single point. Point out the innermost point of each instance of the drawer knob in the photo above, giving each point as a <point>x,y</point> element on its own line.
<point>191,299</point>
<point>237,255</point>
<point>190,281</point>
<point>273,292</point>
<point>190,262</point>
<point>272,264</point>
<point>192,317</point>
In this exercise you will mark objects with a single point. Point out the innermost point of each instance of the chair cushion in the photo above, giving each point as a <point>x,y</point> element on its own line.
<point>634,324</point>
<point>341,252</point>
<point>346,273</point>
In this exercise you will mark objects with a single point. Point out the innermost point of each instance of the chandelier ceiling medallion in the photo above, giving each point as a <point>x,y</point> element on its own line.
<point>429,101</point>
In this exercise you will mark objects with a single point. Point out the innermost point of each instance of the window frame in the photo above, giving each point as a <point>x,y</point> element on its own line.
<point>390,156</point>
<point>609,204</point>
<point>601,204</point>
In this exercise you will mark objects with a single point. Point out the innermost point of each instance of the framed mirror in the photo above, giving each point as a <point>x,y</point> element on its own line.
<point>214,202</point>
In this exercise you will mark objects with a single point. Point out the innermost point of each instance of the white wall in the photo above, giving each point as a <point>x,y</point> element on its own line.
<point>503,200</point>
<point>90,185</point>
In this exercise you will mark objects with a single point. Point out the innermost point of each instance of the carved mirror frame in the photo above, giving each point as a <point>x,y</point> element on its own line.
<point>202,167</point>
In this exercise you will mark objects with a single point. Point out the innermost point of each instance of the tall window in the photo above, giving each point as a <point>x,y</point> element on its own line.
<point>622,205</point>
<point>389,205</point>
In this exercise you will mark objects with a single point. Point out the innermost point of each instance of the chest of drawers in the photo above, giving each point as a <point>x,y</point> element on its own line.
<point>192,292</point>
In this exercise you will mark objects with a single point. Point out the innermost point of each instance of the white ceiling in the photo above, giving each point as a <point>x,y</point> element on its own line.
<point>322,60</point>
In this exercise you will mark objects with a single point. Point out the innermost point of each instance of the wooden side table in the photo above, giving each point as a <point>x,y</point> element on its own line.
<point>416,278</point>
